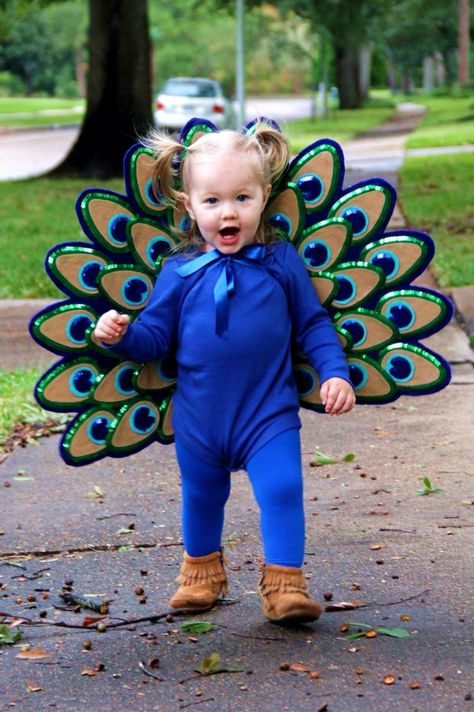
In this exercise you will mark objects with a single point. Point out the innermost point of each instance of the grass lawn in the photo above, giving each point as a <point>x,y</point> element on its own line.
<point>449,121</point>
<point>339,125</point>
<point>17,404</point>
<point>18,112</point>
<point>437,195</point>
<point>37,214</point>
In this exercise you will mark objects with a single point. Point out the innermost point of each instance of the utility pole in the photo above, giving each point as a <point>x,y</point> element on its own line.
<point>239,73</point>
<point>463,42</point>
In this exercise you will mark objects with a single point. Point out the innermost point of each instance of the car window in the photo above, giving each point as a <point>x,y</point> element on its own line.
<point>199,89</point>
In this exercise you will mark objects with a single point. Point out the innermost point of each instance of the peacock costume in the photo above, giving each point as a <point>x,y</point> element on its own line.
<point>361,274</point>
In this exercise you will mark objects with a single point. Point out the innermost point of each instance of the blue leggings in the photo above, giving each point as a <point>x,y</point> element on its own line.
<point>275,474</point>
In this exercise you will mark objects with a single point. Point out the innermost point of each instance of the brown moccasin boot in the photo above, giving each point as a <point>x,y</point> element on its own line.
<point>284,594</point>
<point>202,580</point>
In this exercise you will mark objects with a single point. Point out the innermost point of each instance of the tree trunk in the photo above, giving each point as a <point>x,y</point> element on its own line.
<point>463,42</point>
<point>118,89</point>
<point>347,77</point>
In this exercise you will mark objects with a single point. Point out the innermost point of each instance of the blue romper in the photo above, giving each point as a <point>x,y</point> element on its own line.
<point>231,321</point>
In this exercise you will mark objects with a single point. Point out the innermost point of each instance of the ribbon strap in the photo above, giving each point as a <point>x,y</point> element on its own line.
<point>225,284</point>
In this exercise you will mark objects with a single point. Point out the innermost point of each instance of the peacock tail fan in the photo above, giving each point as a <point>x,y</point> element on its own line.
<point>361,272</point>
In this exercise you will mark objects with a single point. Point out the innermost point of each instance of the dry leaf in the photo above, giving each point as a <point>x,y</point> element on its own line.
<point>389,679</point>
<point>404,617</point>
<point>33,654</point>
<point>344,627</point>
<point>314,675</point>
<point>415,685</point>
<point>31,687</point>
<point>371,634</point>
<point>376,547</point>
<point>89,672</point>
<point>299,667</point>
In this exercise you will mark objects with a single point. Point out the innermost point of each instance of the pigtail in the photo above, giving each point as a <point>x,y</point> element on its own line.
<point>275,149</point>
<point>166,171</point>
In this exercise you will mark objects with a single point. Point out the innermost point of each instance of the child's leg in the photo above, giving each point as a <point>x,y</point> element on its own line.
<point>275,473</point>
<point>205,490</point>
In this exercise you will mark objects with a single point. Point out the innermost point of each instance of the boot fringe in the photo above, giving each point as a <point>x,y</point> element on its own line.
<point>211,571</point>
<point>282,581</point>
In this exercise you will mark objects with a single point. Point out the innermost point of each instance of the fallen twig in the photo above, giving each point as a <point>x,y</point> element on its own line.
<point>190,704</point>
<point>148,672</point>
<point>119,514</point>
<point>337,608</point>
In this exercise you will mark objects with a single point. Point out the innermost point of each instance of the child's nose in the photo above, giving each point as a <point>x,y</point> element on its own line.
<point>229,209</point>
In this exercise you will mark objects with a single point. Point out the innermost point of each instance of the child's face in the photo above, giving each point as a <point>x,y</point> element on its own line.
<point>226,199</point>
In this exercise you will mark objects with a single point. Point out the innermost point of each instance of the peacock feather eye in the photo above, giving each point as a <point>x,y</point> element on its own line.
<point>317,172</point>
<point>357,282</point>
<point>367,208</point>
<point>286,212</point>
<point>105,218</point>
<point>368,329</point>
<point>135,426</point>
<point>138,169</point>
<point>150,243</point>
<point>415,312</point>
<point>414,369</point>
<point>64,328</point>
<point>75,269</point>
<point>126,287</point>
<point>117,385</point>
<point>401,256</point>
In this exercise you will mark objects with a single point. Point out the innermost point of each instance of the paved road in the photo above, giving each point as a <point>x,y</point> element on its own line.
<point>29,153</point>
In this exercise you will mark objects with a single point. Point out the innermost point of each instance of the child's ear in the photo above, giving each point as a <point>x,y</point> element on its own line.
<point>267,189</point>
<point>187,205</point>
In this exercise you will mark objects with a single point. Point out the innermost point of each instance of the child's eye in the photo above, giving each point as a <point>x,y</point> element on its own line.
<point>211,201</point>
<point>242,197</point>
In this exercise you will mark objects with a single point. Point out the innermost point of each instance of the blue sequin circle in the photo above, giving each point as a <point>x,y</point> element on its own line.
<point>305,381</point>
<point>88,274</point>
<point>282,222</point>
<point>312,187</point>
<point>135,291</point>
<point>358,219</point>
<point>168,369</point>
<point>388,261</point>
<point>142,419</point>
<point>358,375</point>
<point>401,368</point>
<point>347,289</point>
<point>81,381</point>
<point>124,380</point>
<point>401,314</point>
<point>156,247</point>
<point>316,254</point>
<point>76,328</point>
<point>97,429</point>
<point>356,329</point>
<point>117,229</point>
<point>150,195</point>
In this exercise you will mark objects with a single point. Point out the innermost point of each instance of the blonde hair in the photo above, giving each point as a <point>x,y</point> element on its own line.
<point>264,144</point>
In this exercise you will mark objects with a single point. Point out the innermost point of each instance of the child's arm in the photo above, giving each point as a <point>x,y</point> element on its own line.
<point>337,396</point>
<point>111,328</point>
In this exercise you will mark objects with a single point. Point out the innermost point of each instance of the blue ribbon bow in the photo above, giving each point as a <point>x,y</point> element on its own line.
<point>225,284</point>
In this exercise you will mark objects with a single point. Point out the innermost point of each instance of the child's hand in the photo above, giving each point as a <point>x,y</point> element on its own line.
<point>337,396</point>
<point>111,328</point>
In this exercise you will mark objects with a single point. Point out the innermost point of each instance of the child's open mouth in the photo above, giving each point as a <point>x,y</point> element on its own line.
<point>229,234</point>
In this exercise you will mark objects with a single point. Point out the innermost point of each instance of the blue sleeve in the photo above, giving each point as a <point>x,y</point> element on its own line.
<point>314,331</point>
<point>153,334</point>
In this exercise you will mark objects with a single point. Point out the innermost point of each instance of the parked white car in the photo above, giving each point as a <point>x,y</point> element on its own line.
<point>182,98</point>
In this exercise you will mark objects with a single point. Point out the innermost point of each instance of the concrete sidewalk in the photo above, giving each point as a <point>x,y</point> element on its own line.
<point>111,531</point>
